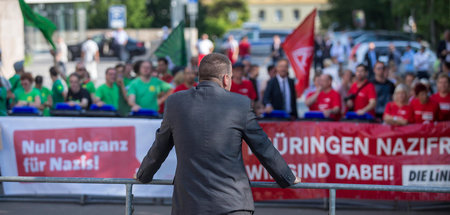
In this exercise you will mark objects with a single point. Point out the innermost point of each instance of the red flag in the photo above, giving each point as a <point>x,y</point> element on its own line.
<point>299,47</point>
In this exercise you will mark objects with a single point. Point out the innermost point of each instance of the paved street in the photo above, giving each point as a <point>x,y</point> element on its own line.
<point>22,208</point>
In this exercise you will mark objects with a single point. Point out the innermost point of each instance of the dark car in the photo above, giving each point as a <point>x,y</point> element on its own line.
<point>108,47</point>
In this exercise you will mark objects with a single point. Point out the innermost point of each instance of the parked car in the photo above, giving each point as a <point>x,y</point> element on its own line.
<point>372,36</point>
<point>260,39</point>
<point>382,49</point>
<point>108,47</point>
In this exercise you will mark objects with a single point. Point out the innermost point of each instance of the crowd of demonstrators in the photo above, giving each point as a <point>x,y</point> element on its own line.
<point>413,95</point>
<point>405,88</point>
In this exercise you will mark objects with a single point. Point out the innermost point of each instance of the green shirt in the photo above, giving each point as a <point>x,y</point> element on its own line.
<point>44,92</point>
<point>108,95</point>
<point>57,92</point>
<point>3,108</point>
<point>21,95</point>
<point>89,86</point>
<point>127,81</point>
<point>147,93</point>
<point>15,82</point>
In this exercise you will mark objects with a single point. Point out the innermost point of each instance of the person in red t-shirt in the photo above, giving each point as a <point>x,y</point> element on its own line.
<point>442,97</point>
<point>325,99</point>
<point>162,69</point>
<point>244,48</point>
<point>363,101</point>
<point>241,86</point>
<point>189,80</point>
<point>425,110</point>
<point>398,112</point>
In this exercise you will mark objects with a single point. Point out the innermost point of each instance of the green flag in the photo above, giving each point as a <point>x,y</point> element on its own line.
<point>174,46</point>
<point>31,18</point>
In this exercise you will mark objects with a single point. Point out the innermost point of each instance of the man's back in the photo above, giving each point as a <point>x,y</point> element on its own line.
<point>207,124</point>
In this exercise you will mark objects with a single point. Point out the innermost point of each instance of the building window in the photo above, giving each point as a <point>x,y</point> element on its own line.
<point>296,15</point>
<point>262,15</point>
<point>278,15</point>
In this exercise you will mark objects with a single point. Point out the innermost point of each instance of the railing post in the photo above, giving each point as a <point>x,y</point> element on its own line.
<point>332,202</point>
<point>129,200</point>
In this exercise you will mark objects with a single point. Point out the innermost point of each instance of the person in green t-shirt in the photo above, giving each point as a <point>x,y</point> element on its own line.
<point>46,95</point>
<point>15,80</point>
<point>109,92</point>
<point>3,98</point>
<point>124,79</point>
<point>27,95</point>
<point>57,87</point>
<point>146,91</point>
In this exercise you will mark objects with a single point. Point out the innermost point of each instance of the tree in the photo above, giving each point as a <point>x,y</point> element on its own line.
<point>214,17</point>
<point>160,11</point>
<point>137,15</point>
<point>431,16</point>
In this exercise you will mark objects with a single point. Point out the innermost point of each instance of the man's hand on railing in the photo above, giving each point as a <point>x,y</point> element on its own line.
<point>297,180</point>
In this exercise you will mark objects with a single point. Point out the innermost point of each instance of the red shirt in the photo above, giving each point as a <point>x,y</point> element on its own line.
<point>244,48</point>
<point>245,88</point>
<point>404,111</point>
<point>327,101</point>
<point>444,106</point>
<point>313,106</point>
<point>167,78</point>
<point>427,112</point>
<point>182,87</point>
<point>362,99</point>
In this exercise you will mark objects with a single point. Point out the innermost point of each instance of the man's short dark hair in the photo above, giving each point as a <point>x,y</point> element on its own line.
<point>163,60</point>
<point>283,59</point>
<point>119,65</point>
<point>38,79</point>
<point>75,75</point>
<point>214,65</point>
<point>53,71</point>
<point>379,62</point>
<point>108,69</point>
<point>137,66</point>
<point>270,67</point>
<point>363,66</point>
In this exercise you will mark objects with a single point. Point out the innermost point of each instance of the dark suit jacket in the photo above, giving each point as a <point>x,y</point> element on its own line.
<point>441,47</point>
<point>273,95</point>
<point>207,124</point>
<point>368,62</point>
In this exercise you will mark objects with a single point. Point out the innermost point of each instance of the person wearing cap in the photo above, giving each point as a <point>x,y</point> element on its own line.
<point>15,80</point>
<point>46,95</point>
<point>425,110</point>
<point>241,86</point>
<point>27,95</point>
<point>398,112</point>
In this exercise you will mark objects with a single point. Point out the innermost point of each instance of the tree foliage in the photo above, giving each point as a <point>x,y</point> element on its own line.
<point>214,17</point>
<point>137,13</point>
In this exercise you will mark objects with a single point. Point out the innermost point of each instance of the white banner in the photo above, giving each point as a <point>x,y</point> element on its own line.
<point>79,147</point>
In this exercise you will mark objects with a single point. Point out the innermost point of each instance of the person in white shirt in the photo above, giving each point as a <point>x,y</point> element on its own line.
<point>121,39</point>
<point>232,49</point>
<point>337,52</point>
<point>421,63</point>
<point>61,54</point>
<point>204,47</point>
<point>90,57</point>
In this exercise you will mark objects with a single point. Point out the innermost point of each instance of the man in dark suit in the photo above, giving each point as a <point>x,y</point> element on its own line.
<point>206,124</point>
<point>443,52</point>
<point>280,91</point>
<point>370,59</point>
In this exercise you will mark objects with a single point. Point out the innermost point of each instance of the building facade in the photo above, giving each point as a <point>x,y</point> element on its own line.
<point>283,14</point>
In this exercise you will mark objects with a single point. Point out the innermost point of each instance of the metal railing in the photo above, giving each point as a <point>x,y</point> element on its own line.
<point>129,185</point>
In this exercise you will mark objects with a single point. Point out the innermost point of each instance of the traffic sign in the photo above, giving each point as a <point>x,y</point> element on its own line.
<point>117,16</point>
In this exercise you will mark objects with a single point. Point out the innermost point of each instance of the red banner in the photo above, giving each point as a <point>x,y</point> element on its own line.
<point>357,153</point>
<point>106,152</point>
<point>299,47</point>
